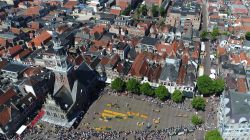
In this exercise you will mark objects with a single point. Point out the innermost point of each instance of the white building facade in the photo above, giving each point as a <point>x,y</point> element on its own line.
<point>234,116</point>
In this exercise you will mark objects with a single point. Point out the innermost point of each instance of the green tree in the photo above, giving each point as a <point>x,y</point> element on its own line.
<point>218,85</point>
<point>215,33</point>
<point>196,120</point>
<point>204,35</point>
<point>146,89</point>
<point>204,84</point>
<point>155,10</point>
<point>138,12</point>
<point>162,92</point>
<point>162,11</point>
<point>247,35</point>
<point>177,96</point>
<point>213,135</point>
<point>133,85</point>
<point>199,103</point>
<point>126,12</point>
<point>144,10</point>
<point>118,84</point>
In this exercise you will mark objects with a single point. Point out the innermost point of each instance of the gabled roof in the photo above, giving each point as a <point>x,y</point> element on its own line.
<point>42,38</point>
<point>5,116</point>
<point>115,11</point>
<point>23,54</point>
<point>10,93</point>
<point>104,61</point>
<point>14,50</point>
<point>241,85</point>
<point>3,63</point>
<point>140,65</point>
<point>32,71</point>
<point>70,4</point>
<point>34,10</point>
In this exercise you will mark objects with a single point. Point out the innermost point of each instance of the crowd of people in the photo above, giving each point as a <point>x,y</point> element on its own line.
<point>212,112</point>
<point>61,133</point>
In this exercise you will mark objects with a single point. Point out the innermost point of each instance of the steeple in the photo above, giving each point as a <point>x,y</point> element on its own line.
<point>60,58</point>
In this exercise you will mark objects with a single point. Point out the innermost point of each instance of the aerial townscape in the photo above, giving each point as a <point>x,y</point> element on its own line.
<point>125,69</point>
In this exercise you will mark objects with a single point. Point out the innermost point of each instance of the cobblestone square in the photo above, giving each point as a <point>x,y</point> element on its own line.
<point>169,117</point>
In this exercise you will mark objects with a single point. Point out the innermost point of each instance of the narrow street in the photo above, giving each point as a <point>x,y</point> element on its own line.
<point>206,63</point>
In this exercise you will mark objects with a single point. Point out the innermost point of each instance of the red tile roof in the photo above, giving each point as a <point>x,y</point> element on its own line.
<point>104,61</point>
<point>221,51</point>
<point>115,12</point>
<point>23,54</point>
<point>243,56</point>
<point>98,28</point>
<point>115,58</point>
<point>42,38</point>
<point>123,5</point>
<point>5,116</point>
<point>34,10</point>
<point>7,96</point>
<point>78,60</point>
<point>70,4</point>
<point>2,42</point>
<point>3,64</point>
<point>182,74</point>
<point>35,25</point>
<point>153,74</point>
<point>32,71</point>
<point>140,66</point>
<point>14,50</point>
<point>241,85</point>
<point>15,30</point>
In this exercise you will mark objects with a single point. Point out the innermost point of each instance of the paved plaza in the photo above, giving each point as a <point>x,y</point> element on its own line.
<point>168,117</point>
<point>130,127</point>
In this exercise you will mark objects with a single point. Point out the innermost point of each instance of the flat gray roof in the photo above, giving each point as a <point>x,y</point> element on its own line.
<point>239,104</point>
<point>13,67</point>
<point>7,36</point>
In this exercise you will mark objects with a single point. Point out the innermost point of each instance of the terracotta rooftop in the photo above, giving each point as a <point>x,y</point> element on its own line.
<point>70,4</point>
<point>42,38</point>
<point>23,54</point>
<point>241,85</point>
<point>122,4</point>
<point>5,116</point>
<point>15,30</point>
<point>182,74</point>
<point>35,25</point>
<point>3,64</point>
<point>140,66</point>
<point>7,96</point>
<point>154,73</point>
<point>2,42</point>
<point>14,50</point>
<point>34,10</point>
<point>98,28</point>
<point>104,61</point>
<point>114,59</point>
<point>115,11</point>
<point>221,51</point>
<point>32,71</point>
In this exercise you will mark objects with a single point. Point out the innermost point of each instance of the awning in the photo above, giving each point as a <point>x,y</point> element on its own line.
<point>37,118</point>
<point>21,129</point>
